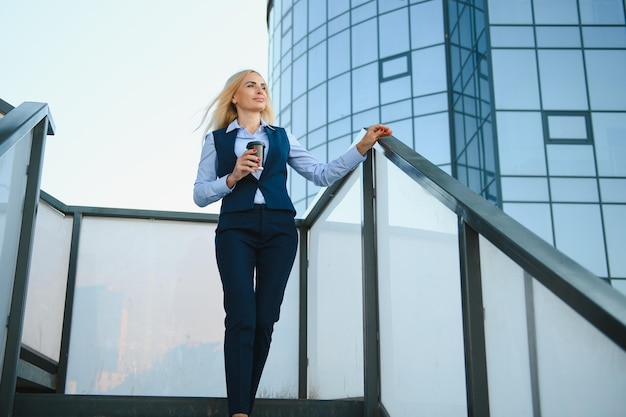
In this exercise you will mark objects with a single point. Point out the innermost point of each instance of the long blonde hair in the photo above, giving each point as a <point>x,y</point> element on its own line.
<point>224,111</point>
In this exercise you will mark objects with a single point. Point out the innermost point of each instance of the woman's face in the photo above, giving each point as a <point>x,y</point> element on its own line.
<point>251,94</point>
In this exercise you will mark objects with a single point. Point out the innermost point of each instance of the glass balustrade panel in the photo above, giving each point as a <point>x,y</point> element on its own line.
<point>581,371</point>
<point>148,314</point>
<point>47,282</point>
<point>506,335</point>
<point>13,178</point>
<point>335,304</point>
<point>421,328</point>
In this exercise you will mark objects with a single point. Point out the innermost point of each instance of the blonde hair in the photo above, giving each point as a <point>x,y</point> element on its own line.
<point>224,111</point>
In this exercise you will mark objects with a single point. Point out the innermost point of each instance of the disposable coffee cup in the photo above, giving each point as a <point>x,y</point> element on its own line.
<point>260,149</point>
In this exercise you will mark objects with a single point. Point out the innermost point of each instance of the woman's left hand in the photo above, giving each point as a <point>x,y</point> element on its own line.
<point>370,138</point>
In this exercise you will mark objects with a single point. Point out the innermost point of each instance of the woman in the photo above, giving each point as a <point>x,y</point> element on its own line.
<point>256,230</point>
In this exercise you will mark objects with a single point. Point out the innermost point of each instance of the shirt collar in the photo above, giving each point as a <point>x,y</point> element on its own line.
<point>235,125</point>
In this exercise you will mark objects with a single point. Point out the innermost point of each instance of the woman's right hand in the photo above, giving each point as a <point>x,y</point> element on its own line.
<point>248,162</point>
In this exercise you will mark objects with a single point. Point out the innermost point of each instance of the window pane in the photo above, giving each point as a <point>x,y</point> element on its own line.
<point>515,79</point>
<point>512,36</point>
<point>571,160</point>
<point>535,217</point>
<point>299,20</point>
<point>615,228</point>
<point>339,53</point>
<point>555,12</point>
<point>364,43</point>
<point>299,76</point>
<point>397,111</point>
<point>429,71</point>
<point>524,189</point>
<point>607,83</point>
<point>317,13</point>
<point>609,131</point>
<point>432,137</point>
<point>563,84</point>
<point>558,37</point>
<point>602,12</point>
<point>567,127</point>
<point>336,7</point>
<point>613,190</point>
<point>392,67</point>
<point>339,97</point>
<point>364,12</point>
<point>578,230</point>
<point>426,24</point>
<point>574,189</point>
<point>604,37</point>
<point>395,90</point>
<point>317,65</point>
<point>510,11</point>
<point>365,88</point>
<point>430,104</point>
<point>521,144</point>
<point>317,107</point>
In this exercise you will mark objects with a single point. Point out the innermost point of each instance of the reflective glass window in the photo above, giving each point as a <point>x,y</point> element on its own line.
<point>510,12</point>
<point>339,128</point>
<point>515,79</point>
<point>426,24</point>
<point>609,133</point>
<point>595,12</point>
<point>396,111</point>
<point>317,64</point>
<point>300,48</point>
<point>429,69</point>
<point>535,217</point>
<point>299,20</point>
<point>432,137</point>
<point>339,97</point>
<point>364,43</point>
<point>285,88</point>
<point>558,36</point>
<point>430,104</point>
<point>571,160</point>
<point>287,23</point>
<point>578,230</point>
<point>299,76</point>
<point>524,189</point>
<point>394,33</point>
<point>604,37</point>
<point>315,139</point>
<point>338,24</point>
<point>365,88</point>
<point>613,190</point>
<point>562,77</point>
<point>395,90</point>
<point>520,143</point>
<point>560,12</point>
<point>512,36</point>
<point>574,189</point>
<point>567,127</point>
<point>364,119</point>
<point>607,83</point>
<point>396,66</point>
<point>299,107</point>
<point>317,107</point>
<point>317,36</point>
<point>338,147</point>
<point>317,14</point>
<point>615,229</point>
<point>364,12</point>
<point>337,7</point>
<point>339,53</point>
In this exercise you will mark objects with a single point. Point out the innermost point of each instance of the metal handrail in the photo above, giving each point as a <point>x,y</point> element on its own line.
<point>21,120</point>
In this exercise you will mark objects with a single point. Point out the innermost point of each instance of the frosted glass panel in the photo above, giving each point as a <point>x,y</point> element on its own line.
<point>47,282</point>
<point>12,188</point>
<point>335,316</point>
<point>148,316</point>
<point>506,337</point>
<point>581,372</point>
<point>421,331</point>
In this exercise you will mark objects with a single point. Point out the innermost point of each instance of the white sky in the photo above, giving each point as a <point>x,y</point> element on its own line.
<point>127,82</point>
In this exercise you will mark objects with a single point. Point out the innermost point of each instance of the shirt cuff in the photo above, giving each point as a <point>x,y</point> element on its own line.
<point>353,157</point>
<point>221,188</point>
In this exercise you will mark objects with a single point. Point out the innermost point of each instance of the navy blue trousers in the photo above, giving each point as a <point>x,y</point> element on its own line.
<point>264,242</point>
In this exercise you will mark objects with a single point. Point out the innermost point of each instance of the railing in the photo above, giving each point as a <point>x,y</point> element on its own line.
<point>411,296</point>
<point>23,131</point>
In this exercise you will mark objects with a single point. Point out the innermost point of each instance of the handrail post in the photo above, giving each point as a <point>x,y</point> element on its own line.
<point>371,356</point>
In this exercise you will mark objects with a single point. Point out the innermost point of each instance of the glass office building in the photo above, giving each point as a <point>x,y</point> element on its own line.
<point>524,101</point>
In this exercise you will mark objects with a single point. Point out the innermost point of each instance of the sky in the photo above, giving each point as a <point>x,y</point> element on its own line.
<point>127,83</point>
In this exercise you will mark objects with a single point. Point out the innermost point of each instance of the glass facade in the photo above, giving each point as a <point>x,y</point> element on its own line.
<point>524,101</point>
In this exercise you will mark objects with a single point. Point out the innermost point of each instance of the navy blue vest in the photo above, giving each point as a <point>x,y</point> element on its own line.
<point>273,180</point>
